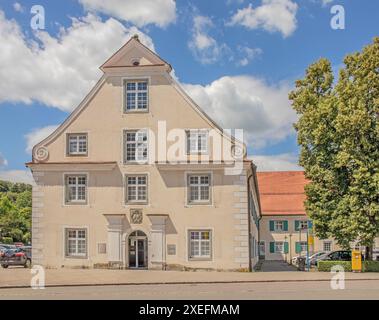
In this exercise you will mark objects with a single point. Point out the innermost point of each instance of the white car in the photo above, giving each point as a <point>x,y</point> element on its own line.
<point>375,254</point>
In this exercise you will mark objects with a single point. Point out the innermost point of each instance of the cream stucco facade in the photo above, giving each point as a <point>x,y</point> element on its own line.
<point>166,230</point>
<point>292,235</point>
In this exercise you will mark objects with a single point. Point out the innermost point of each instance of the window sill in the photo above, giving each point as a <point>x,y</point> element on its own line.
<point>199,204</point>
<point>83,155</point>
<point>200,259</point>
<point>124,113</point>
<point>76,257</point>
<point>75,204</point>
<point>133,163</point>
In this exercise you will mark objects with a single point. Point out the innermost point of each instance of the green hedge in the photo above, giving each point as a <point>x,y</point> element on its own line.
<point>371,266</point>
<point>326,266</point>
<point>367,266</point>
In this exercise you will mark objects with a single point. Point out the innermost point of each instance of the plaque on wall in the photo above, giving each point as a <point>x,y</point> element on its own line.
<point>136,216</point>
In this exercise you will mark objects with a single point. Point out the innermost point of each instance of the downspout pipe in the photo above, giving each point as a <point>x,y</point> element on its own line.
<point>254,175</point>
<point>249,218</point>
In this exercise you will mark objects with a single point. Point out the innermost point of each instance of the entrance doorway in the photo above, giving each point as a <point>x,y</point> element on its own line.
<point>137,250</point>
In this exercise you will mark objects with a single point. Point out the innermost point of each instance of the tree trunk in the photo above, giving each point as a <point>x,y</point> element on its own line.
<point>368,255</point>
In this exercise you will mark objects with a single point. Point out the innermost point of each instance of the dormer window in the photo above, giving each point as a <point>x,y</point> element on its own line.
<point>136,94</point>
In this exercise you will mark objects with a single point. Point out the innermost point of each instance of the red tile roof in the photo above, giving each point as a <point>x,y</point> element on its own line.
<point>282,192</point>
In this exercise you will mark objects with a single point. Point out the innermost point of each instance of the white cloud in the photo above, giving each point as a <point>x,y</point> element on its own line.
<point>18,7</point>
<point>23,176</point>
<point>60,70</point>
<point>248,55</point>
<point>37,135</point>
<point>3,161</point>
<point>245,102</point>
<point>278,162</point>
<point>140,13</point>
<point>326,2</point>
<point>203,46</point>
<point>272,16</point>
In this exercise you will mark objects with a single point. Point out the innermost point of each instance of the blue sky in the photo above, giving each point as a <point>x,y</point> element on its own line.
<point>237,59</point>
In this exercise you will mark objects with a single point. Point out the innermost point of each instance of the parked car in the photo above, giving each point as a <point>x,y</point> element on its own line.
<point>7,246</point>
<point>340,255</point>
<point>316,257</point>
<point>18,244</point>
<point>15,257</point>
<point>312,259</point>
<point>375,254</point>
<point>28,251</point>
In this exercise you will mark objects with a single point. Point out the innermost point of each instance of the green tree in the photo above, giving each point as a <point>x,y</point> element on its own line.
<point>15,212</point>
<point>339,138</point>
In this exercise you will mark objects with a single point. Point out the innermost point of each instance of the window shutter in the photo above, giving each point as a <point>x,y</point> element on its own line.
<point>272,247</point>
<point>310,224</point>
<point>285,247</point>
<point>285,225</point>
<point>271,225</point>
<point>298,247</point>
<point>297,224</point>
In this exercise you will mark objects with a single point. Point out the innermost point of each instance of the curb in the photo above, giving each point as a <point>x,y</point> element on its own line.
<point>176,283</point>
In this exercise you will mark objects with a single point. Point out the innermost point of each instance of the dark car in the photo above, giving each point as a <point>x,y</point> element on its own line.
<point>7,246</point>
<point>15,257</point>
<point>28,251</point>
<point>340,255</point>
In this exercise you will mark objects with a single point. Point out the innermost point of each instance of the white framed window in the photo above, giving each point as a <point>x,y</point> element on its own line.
<point>76,242</point>
<point>136,95</point>
<point>199,188</point>
<point>136,188</point>
<point>327,246</point>
<point>76,189</point>
<point>197,141</point>
<point>303,224</point>
<point>278,225</point>
<point>262,248</point>
<point>135,146</point>
<point>200,244</point>
<point>279,247</point>
<point>303,246</point>
<point>77,144</point>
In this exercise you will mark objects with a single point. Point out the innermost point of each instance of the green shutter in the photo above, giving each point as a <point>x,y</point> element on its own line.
<point>297,224</point>
<point>285,247</point>
<point>272,247</point>
<point>310,224</point>
<point>298,247</point>
<point>285,224</point>
<point>272,225</point>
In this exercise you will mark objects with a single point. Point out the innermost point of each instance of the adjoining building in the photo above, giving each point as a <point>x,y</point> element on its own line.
<point>284,223</point>
<point>138,176</point>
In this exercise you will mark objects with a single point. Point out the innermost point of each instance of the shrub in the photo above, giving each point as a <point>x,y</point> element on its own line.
<point>326,266</point>
<point>370,266</point>
<point>7,240</point>
<point>367,266</point>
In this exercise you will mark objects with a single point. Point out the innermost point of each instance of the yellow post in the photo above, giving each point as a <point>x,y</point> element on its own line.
<point>356,261</point>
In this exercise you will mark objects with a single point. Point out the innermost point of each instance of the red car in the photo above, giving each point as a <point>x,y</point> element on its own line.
<point>15,257</point>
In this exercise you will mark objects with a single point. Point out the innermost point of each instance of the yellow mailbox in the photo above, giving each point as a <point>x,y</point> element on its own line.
<point>356,261</point>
